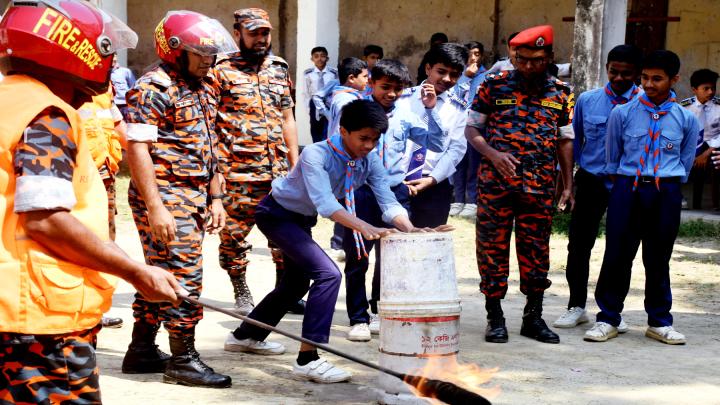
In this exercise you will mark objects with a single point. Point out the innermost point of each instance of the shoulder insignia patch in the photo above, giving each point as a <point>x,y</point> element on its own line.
<point>308,71</point>
<point>687,101</point>
<point>332,69</point>
<point>716,99</point>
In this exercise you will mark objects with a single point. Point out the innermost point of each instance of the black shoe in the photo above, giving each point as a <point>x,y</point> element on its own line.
<point>108,322</point>
<point>143,355</point>
<point>298,308</point>
<point>496,332</point>
<point>533,326</point>
<point>186,368</point>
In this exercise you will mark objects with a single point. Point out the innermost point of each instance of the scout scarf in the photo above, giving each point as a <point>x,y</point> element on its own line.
<point>615,100</point>
<point>335,143</point>
<point>653,141</point>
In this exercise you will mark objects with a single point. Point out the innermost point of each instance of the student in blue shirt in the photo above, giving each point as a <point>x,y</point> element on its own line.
<point>650,148</point>
<point>353,76</point>
<point>592,111</point>
<point>389,79</point>
<point>326,172</point>
<point>428,173</point>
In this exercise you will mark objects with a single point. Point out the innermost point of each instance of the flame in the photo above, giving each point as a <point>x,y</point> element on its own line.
<point>468,376</point>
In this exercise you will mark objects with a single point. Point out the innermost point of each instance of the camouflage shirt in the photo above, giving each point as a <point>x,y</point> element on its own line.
<point>177,120</point>
<point>44,161</point>
<point>250,118</point>
<point>525,125</point>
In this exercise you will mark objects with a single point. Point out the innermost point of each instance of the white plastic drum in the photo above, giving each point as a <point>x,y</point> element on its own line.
<point>419,304</point>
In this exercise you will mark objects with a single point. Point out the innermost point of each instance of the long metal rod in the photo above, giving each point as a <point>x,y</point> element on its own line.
<point>296,337</point>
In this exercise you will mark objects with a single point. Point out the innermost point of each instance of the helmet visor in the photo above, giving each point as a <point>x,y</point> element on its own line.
<point>120,36</point>
<point>205,37</point>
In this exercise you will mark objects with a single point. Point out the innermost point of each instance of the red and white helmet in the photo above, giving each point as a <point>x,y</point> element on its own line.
<point>193,32</point>
<point>68,40</point>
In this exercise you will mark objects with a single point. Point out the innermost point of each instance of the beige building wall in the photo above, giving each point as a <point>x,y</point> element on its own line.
<point>403,29</point>
<point>695,38</point>
<point>144,15</point>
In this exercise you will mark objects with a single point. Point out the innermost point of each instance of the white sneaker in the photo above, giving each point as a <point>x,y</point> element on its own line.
<point>252,346</point>
<point>339,255</point>
<point>572,318</point>
<point>456,208</point>
<point>360,332</point>
<point>665,334</point>
<point>600,332</point>
<point>320,371</point>
<point>374,324</point>
<point>469,211</point>
<point>623,327</point>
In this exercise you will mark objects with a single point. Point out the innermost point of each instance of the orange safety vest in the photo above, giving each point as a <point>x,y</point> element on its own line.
<point>99,127</point>
<point>41,294</point>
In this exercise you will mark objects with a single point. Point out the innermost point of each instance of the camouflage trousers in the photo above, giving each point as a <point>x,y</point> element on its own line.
<point>240,203</point>
<point>112,205</point>
<point>182,257</point>
<point>49,369</point>
<point>498,208</point>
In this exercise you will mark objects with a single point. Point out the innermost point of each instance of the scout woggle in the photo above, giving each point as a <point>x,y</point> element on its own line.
<point>60,30</point>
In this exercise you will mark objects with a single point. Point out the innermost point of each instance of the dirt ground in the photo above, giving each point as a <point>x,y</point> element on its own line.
<point>630,369</point>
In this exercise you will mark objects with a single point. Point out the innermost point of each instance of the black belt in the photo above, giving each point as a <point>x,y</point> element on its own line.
<point>651,179</point>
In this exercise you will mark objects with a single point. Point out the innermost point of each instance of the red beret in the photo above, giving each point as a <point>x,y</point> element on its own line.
<point>535,37</point>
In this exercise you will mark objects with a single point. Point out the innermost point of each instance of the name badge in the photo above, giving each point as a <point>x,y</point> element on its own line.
<point>546,103</point>
<point>184,103</point>
<point>506,101</point>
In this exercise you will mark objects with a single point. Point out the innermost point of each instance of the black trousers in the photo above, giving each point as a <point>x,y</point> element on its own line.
<point>591,201</point>
<point>318,128</point>
<point>648,216</point>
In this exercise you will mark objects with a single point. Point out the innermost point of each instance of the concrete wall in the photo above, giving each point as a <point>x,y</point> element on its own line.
<point>695,38</point>
<point>403,29</point>
<point>144,15</point>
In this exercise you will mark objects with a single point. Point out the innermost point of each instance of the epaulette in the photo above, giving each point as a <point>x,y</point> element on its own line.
<point>160,78</point>
<point>278,60</point>
<point>308,71</point>
<point>332,69</point>
<point>562,83</point>
<point>687,101</point>
<point>459,100</point>
<point>716,99</point>
<point>409,91</point>
<point>499,75</point>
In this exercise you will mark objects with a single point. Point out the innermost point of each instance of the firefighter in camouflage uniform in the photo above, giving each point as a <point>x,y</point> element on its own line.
<point>175,190</point>
<point>58,264</point>
<point>257,140</point>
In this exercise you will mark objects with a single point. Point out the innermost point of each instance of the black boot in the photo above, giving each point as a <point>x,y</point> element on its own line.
<point>533,326</point>
<point>186,368</point>
<point>143,355</point>
<point>496,332</point>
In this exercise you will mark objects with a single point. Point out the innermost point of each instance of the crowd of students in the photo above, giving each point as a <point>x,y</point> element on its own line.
<point>212,146</point>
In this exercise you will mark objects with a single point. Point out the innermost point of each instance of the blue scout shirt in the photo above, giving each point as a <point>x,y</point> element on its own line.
<point>467,86</point>
<point>627,133</point>
<point>315,184</point>
<point>404,124</point>
<point>592,111</point>
<point>341,96</point>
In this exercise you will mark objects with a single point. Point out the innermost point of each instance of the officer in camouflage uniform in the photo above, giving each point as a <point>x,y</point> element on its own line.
<point>257,138</point>
<point>527,116</point>
<point>171,152</point>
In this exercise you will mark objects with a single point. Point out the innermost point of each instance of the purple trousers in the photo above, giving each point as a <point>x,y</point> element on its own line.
<point>305,261</point>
